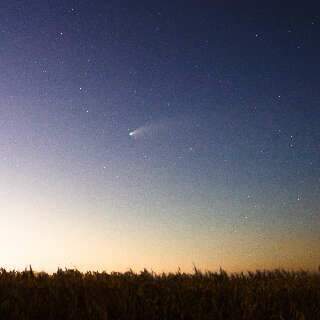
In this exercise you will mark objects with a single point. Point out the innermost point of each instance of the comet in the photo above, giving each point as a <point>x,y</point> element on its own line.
<point>142,131</point>
<point>158,128</point>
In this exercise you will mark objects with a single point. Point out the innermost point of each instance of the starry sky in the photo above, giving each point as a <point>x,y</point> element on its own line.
<point>159,134</point>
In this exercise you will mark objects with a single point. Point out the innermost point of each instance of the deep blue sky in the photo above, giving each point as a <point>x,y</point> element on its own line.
<point>160,134</point>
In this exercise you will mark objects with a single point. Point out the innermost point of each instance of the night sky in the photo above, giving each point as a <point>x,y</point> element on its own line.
<point>159,134</point>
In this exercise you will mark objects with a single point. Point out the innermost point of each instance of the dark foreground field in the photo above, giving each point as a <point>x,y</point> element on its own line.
<point>73,295</point>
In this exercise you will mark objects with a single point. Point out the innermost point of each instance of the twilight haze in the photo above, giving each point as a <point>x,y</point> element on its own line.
<point>159,134</point>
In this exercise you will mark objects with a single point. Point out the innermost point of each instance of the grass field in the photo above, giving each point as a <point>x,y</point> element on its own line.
<point>70,294</point>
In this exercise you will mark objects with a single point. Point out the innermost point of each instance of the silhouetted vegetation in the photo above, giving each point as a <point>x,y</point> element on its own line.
<point>71,294</point>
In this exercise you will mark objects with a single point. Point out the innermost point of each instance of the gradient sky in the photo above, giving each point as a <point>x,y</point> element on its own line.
<point>159,134</point>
